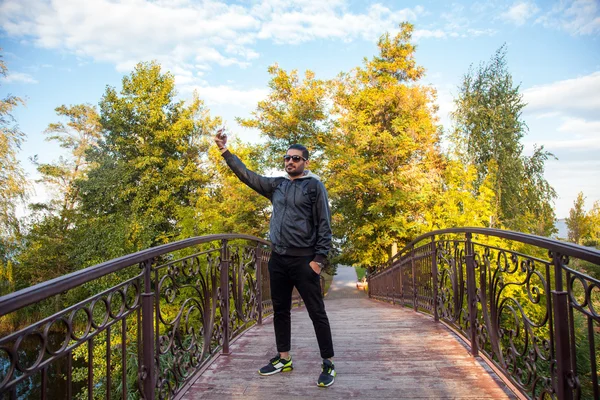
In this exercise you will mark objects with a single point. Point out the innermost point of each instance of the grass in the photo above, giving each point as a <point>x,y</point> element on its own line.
<point>360,272</point>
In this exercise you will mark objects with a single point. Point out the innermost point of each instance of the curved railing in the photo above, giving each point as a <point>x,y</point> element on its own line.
<point>520,301</point>
<point>140,326</point>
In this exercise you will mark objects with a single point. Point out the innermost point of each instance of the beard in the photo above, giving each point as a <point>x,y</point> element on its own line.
<point>294,172</point>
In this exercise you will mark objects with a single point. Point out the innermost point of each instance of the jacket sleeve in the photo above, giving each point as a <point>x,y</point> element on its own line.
<point>261,184</point>
<point>323,224</point>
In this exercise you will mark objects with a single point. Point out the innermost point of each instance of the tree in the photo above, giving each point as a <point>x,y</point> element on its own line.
<point>579,222</point>
<point>227,205</point>
<point>536,197</point>
<point>293,112</point>
<point>456,201</point>
<point>594,218</point>
<point>383,157</point>
<point>489,126</point>
<point>7,282</point>
<point>13,183</point>
<point>79,135</point>
<point>148,165</point>
<point>50,239</point>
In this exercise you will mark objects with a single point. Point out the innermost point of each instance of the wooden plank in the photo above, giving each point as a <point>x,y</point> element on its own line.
<point>382,351</point>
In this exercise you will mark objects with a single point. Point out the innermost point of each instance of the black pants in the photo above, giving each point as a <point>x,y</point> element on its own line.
<point>285,273</point>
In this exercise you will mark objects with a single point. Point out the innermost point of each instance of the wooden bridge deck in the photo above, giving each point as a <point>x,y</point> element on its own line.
<point>382,351</point>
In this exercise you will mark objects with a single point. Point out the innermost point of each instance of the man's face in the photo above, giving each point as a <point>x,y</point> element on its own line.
<point>294,162</point>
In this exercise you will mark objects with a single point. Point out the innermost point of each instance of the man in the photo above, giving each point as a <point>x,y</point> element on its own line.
<point>300,232</point>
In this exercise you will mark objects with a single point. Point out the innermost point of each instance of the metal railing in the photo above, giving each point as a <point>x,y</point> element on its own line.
<point>140,326</point>
<point>520,301</point>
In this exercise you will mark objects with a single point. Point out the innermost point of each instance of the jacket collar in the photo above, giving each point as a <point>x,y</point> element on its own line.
<point>307,174</point>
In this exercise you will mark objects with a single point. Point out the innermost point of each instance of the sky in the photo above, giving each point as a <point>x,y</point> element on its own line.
<point>68,51</point>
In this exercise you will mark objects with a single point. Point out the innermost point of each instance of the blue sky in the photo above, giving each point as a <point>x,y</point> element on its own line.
<point>68,51</point>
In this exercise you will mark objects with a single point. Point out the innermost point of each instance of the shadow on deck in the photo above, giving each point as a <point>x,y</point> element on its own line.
<point>382,351</point>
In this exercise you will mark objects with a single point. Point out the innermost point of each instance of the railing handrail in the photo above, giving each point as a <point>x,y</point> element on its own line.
<point>468,294</point>
<point>33,294</point>
<point>565,248</point>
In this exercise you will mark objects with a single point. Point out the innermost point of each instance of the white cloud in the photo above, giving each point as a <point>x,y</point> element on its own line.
<point>425,33</point>
<point>445,102</point>
<point>580,126</point>
<point>571,177</point>
<point>305,20</point>
<point>462,22</point>
<point>228,95</point>
<point>124,32</point>
<point>550,114</point>
<point>479,32</point>
<point>574,107</point>
<point>577,17</point>
<point>456,18</point>
<point>576,97</point>
<point>569,114</point>
<point>192,34</point>
<point>520,12</point>
<point>185,34</point>
<point>584,144</point>
<point>18,77</point>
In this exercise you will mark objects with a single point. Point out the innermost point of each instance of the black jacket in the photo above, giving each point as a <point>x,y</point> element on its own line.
<point>299,226</point>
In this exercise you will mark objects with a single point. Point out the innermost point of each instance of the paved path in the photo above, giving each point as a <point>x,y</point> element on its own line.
<point>344,285</point>
<point>382,351</point>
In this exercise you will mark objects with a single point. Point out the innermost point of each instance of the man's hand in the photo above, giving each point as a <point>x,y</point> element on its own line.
<point>315,267</point>
<point>221,139</point>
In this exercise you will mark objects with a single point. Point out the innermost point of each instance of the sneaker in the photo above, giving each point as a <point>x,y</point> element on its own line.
<point>327,374</point>
<point>277,364</point>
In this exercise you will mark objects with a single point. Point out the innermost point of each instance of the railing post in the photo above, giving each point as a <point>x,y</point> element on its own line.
<point>225,294</point>
<point>414,277</point>
<point>561,332</point>
<point>391,277</point>
<point>259,282</point>
<point>401,269</point>
<point>471,293</point>
<point>368,272</point>
<point>434,278</point>
<point>148,360</point>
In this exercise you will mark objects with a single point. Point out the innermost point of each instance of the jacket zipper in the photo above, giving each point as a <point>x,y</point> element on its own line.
<point>285,201</point>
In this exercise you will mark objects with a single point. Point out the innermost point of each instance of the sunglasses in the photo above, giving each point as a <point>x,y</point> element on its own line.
<point>293,158</point>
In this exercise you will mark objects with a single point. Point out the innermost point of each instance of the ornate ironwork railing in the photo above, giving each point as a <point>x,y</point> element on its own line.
<point>520,301</point>
<point>140,326</point>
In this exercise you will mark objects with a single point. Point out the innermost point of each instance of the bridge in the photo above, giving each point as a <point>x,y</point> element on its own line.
<point>458,313</point>
<point>382,352</point>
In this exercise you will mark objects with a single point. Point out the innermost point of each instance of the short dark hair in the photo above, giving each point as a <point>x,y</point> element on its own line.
<point>301,148</point>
